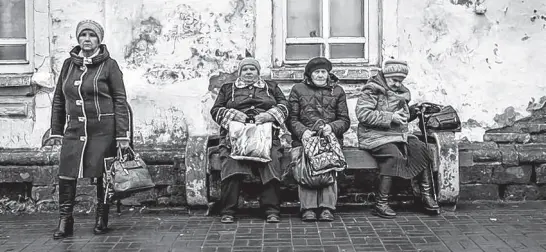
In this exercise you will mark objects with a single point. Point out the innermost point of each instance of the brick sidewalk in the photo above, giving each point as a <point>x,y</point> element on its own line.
<point>499,227</point>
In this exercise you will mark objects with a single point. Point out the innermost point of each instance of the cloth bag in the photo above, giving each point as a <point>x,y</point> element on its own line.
<point>125,175</point>
<point>324,153</point>
<point>251,141</point>
<point>302,171</point>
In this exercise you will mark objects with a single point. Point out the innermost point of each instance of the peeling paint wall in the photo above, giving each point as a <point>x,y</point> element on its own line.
<point>489,66</point>
<point>174,53</point>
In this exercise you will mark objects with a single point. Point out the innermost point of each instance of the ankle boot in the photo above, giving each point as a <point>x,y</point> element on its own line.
<point>427,193</point>
<point>67,195</point>
<point>381,207</point>
<point>102,211</point>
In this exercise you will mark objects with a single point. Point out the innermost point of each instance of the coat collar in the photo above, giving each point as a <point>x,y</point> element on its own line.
<point>378,84</point>
<point>101,56</point>
<point>241,84</point>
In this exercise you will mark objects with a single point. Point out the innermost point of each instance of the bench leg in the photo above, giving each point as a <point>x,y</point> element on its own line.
<point>196,171</point>
<point>448,169</point>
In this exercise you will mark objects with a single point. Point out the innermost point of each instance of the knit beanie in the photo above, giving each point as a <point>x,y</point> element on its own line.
<point>317,63</point>
<point>90,25</point>
<point>395,68</point>
<point>249,61</point>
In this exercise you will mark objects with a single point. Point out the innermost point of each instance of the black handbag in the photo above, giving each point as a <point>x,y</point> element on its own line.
<point>438,117</point>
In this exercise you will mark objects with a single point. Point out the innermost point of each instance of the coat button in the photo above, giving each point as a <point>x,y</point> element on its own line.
<point>252,107</point>
<point>249,87</point>
<point>77,83</point>
<point>250,96</point>
<point>82,138</point>
<point>81,119</point>
<point>79,102</point>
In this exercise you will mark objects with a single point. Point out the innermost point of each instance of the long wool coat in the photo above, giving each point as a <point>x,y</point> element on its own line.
<point>90,111</point>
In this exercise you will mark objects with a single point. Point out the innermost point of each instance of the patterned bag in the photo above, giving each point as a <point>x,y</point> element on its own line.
<point>251,141</point>
<point>302,171</point>
<point>324,153</point>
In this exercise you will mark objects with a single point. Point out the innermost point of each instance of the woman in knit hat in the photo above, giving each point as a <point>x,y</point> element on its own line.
<point>317,98</point>
<point>250,95</point>
<point>91,114</point>
<point>383,114</point>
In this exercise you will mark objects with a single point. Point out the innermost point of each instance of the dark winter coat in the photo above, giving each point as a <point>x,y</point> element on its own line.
<point>268,98</point>
<point>309,103</point>
<point>374,109</point>
<point>90,111</point>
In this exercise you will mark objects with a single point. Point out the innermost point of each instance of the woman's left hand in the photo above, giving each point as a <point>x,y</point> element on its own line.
<point>263,118</point>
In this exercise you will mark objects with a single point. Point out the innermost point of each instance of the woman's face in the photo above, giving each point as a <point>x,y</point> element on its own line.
<point>319,77</point>
<point>394,83</point>
<point>249,73</point>
<point>88,40</point>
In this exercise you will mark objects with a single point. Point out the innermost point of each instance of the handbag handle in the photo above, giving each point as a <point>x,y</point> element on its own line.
<point>120,154</point>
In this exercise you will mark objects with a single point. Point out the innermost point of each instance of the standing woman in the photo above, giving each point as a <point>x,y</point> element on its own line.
<point>250,95</point>
<point>91,115</point>
<point>383,114</point>
<point>316,98</point>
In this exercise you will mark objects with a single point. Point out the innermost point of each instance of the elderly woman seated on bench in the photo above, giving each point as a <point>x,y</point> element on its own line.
<point>383,114</point>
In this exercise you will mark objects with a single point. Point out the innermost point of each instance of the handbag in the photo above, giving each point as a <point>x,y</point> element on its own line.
<point>302,171</point>
<point>438,117</point>
<point>124,176</point>
<point>324,152</point>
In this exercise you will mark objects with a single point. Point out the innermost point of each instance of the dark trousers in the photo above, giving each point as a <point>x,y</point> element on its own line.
<point>269,198</point>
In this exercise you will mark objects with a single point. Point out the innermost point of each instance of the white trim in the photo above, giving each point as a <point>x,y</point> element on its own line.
<point>80,168</point>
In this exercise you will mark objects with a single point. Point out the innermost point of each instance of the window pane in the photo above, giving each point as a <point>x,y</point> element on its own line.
<point>12,19</point>
<point>347,18</point>
<point>303,18</point>
<point>344,51</point>
<point>304,51</point>
<point>13,52</point>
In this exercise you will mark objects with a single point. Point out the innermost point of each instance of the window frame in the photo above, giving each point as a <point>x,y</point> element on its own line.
<point>372,34</point>
<point>21,66</point>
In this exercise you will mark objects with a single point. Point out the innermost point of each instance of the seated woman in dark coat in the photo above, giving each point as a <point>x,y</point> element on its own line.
<point>318,98</point>
<point>250,94</point>
<point>383,113</point>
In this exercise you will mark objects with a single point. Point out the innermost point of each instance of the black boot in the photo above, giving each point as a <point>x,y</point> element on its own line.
<point>427,194</point>
<point>381,207</point>
<point>67,195</point>
<point>101,213</point>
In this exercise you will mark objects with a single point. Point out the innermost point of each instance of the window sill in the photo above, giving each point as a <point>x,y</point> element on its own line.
<point>342,72</point>
<point>15,80</point>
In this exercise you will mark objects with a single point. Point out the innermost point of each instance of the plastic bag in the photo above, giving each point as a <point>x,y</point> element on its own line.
<point>251,141</point>
<point>302,171</point>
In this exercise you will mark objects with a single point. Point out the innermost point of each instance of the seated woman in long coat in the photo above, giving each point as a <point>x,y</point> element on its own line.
<point>383,114</point>
<point>318,97</point>
<point>250,94</point>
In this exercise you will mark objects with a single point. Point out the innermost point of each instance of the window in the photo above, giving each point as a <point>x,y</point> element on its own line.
<point>16,44</point>
<point>344,31</point>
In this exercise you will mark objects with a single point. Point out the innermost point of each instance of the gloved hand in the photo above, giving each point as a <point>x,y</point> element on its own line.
<point>326,129</point>
<point>307,134</point>
<point>239,116</point>
<point>263,118</point>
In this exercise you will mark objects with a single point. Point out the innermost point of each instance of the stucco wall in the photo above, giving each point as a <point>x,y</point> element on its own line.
<point>168,50</point>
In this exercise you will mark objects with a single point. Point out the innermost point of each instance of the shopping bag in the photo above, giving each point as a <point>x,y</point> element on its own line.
<point>302,171</point>
<point>251,141</point>
<point>324,153</point>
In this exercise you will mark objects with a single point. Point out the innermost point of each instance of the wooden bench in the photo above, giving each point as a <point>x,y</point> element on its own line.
<point>442,145</point>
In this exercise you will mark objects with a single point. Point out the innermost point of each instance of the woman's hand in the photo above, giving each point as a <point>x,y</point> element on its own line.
<point>263,118</point>
<point>307,134</point>
<point>123,144</point>
<point>239,116</point>
<point>326,129</point>
<point>399,118</point>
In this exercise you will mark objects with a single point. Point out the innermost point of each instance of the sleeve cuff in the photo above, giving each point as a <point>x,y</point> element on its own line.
<point>58,136</point>
<point>122,138</point>
<point>388,119</point>
<point>227,118</point>
<point>279,112</point>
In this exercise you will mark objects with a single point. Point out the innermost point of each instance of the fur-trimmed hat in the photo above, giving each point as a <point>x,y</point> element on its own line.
<point>90,25</point>
<point>248,61</point>
<point>317,63</point>
<point>395,68</point>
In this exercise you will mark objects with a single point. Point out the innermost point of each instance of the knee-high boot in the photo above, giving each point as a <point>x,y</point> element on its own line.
<point>381,207</point>
<point>427,194</point>
<point>102,211</point>
<point>67,195</point>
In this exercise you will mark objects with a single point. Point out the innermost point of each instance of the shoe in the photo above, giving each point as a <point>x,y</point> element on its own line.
<point>309,216</point>
<point>381,207</point>
<point>326,215</point>
<point>102,210</point>
<point>273,218</point>
<point>67,196</point>
<point>427,194</point>
<point>227,219</point>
